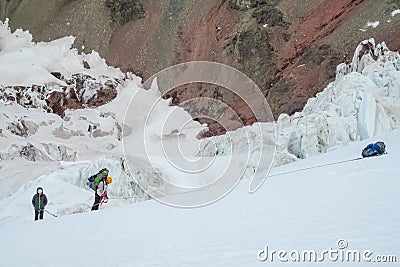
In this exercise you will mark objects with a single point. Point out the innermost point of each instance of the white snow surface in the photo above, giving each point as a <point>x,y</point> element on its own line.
<point>373,24</point>
<point>304,210</point>
<point>395,12</point>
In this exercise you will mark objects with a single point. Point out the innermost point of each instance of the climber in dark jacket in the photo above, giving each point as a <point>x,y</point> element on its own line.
<point>39,201</point>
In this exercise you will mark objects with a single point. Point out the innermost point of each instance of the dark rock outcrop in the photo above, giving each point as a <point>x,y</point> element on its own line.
<point>124,11</point>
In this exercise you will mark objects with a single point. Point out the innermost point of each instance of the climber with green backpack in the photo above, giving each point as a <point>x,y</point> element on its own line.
<point>98,183</point>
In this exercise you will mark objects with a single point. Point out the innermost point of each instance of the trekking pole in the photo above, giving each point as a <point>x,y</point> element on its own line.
<point>51,213</point>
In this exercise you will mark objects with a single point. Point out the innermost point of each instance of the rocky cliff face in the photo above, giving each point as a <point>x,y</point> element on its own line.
<point>81,91</point>
<point>290,49</point>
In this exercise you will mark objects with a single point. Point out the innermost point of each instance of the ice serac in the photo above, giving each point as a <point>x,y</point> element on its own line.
<point>355,106</point>
<point>361,103</point>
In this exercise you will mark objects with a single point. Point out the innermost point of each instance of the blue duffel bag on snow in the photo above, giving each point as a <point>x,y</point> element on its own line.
<point>376,149</point>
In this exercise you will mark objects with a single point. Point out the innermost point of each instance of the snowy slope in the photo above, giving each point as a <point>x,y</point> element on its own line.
<point>305,210</point>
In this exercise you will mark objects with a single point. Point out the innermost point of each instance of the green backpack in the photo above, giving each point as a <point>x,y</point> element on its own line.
<point>94,180</point>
